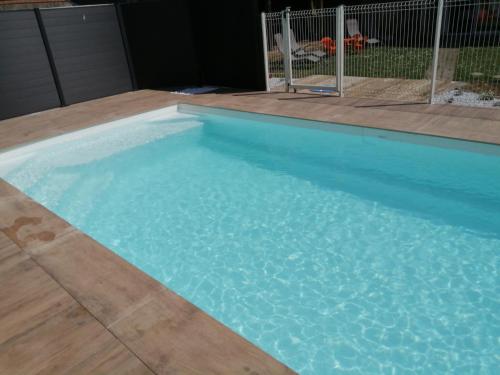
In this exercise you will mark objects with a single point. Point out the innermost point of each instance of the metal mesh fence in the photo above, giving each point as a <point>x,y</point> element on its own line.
<point>274,51</point>
<point>313,48</point>
<point>388,50</point>
<point>468,71</point>
<point>447,51</point>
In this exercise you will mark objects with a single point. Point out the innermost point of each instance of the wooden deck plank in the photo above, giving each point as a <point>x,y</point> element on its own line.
<point>28,297</point>
<point>7,191</point>
<point>43,330</point>
<point>6,245</point>
<point>173,336</point>
<point>57,344</point>
<point>107,285</point>
<point>113,359</point>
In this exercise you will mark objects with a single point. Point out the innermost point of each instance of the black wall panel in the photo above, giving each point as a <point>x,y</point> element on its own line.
<point>229,43</point>
<point>171,43</point>
<point>88,52</point>
<point>195,42</point>
<point>26,81</point>
<point>161,43</point>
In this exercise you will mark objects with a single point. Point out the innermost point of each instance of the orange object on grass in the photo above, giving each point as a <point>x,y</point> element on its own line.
<point>356,41</point>
<point>358,46</point>
<point>329,45</point>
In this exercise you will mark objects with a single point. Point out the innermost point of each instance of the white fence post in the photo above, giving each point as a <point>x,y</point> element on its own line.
<point>264,46</point>
<point>339,74</point>
<point>435,54</point>
<point>287,57</point>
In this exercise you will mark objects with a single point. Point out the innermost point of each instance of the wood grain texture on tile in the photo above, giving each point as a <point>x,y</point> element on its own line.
<point>175,337</point>
<point>43,330</point>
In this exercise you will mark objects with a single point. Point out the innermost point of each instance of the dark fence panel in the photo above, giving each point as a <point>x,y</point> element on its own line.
<point>161,43</point>
<point>88,51</point>
<point>26,82</point>
<point>229,43</point>
<point>60,56</point>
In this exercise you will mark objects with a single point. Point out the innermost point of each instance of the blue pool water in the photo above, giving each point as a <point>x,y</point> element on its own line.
<point>347,251</point>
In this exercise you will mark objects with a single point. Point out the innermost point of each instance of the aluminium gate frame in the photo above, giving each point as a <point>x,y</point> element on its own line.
<point>288,53</point>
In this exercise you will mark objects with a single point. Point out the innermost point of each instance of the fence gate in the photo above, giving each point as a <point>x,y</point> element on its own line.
<point>438,51</point>
<point>273,54</point>
<point>300,50</point>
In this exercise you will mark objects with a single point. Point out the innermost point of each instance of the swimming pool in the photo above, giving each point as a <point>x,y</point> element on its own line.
<point>336,249</point>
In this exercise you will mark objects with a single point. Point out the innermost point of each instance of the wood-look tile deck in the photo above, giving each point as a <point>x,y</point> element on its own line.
<point>68,305</point>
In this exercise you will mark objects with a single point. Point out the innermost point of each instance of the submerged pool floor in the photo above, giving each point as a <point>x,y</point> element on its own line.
<point>333,252</point>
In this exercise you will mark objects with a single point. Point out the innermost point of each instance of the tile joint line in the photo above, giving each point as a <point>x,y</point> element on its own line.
<point>77,301</point>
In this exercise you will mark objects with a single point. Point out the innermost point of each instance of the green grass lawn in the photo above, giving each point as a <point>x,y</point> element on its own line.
<point>382,62</point>
<point>478,60</point>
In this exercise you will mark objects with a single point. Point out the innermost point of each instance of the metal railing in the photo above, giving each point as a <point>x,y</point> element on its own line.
<point>295,53</point>
<point>468,67</point>
<point>389,50</point>
<point>273,54</point>
<point>312,64</point>
<point>438,51</point>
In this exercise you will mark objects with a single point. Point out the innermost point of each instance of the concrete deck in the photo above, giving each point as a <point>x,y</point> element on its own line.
<point>68,305</point>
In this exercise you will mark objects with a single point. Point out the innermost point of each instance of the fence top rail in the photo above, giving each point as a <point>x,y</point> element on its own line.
<point>313,12</point>
<point>273,15</point>
<point>382,7</point>
<point>469,3</point>
<point>394,6</point>
<point>76,6</point>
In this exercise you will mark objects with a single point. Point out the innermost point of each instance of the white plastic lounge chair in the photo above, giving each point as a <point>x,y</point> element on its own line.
<point>295,56</point>
<point>298,50</point>
<point>353,29</point>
